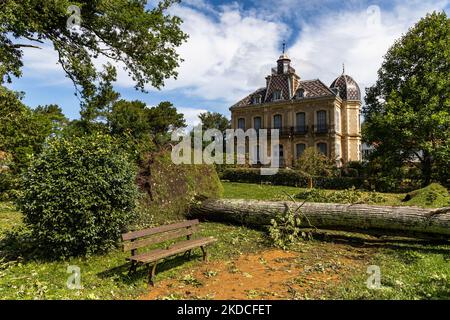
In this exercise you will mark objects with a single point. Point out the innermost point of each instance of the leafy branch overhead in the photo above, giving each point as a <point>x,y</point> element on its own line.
<point>143,40</point>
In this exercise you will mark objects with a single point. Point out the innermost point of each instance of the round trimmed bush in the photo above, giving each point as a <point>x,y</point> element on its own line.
<point>78,195</point>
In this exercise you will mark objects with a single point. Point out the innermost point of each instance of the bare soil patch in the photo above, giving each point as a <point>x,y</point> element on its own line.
<point>272,274</point>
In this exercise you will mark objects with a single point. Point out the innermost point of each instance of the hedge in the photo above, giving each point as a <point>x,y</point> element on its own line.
<point>292,178</point>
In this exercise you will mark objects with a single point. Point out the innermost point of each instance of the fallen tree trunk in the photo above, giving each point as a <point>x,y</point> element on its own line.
<point>379,220</point>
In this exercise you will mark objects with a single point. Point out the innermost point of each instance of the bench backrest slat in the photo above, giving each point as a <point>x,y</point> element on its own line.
<point>161,229</point>
<point>160,237</point>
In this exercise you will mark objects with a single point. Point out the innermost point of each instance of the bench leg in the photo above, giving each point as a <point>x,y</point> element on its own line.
<point>151,273</point>
<point>205,254</point>
<point>188,254</point>
<point>132,268</point>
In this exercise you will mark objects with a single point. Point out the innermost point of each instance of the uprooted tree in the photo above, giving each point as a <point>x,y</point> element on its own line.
<point>379,220</point>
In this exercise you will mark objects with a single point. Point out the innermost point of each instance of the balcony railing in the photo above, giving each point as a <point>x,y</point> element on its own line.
<point>302,130</point>
<point>322,129</point>
<point>291,131</point>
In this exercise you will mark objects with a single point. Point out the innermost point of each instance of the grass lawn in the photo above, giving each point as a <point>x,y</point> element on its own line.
<point>282,193</point>
<point>23,276</point>
<point>333,266</point>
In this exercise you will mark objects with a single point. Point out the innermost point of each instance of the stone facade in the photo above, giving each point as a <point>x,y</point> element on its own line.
<point>307,113</point>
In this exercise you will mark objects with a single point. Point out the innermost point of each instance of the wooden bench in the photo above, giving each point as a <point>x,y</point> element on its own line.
<point>143,238</point>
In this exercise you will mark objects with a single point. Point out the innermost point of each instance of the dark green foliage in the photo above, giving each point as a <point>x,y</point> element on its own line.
<point>78,195</point>
<point>407,111</point>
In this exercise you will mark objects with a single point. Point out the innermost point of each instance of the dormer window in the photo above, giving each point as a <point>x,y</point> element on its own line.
<point>257,99</point>
<point>300,93</point>
<point>276,95</point>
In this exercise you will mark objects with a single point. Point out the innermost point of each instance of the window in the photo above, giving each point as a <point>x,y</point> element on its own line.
<point>301,93</point>
<point>277,122</point>
<point>338,120</point>
<point>257,123</point>
<point>321,121</point>
<point>322,148</point>
<point>241,123</point>
<point>276,95</point>
<point>257,99</point>
<point>300,122</point>
<point>300,148</point>
<point>286,67</point>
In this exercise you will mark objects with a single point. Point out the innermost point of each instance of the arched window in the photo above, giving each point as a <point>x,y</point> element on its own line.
<point>277,121</point>
<point>241,123</point>
<point>257,123</point>
<point>322,147</point>
<point>321,121</point>
<point>300,148</point>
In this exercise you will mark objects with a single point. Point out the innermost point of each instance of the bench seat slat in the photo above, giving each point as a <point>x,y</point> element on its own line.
<point>177,248</point>
<point>158,238</point>
<point>161,229</point>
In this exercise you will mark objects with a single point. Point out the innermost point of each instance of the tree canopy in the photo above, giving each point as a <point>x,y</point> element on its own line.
<point>135,118</point>
<point>214,120</point>
<point>407,111</point>
<point>23,131</point>
<point>142,40</point>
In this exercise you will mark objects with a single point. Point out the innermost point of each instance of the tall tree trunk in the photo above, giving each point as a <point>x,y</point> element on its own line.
<point>380,220</point>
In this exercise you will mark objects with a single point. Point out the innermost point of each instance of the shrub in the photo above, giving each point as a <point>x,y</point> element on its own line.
<point>312,163</point>
<point>78,195</point>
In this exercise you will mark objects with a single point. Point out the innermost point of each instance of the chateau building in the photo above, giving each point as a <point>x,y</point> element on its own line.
<point>308,113</point>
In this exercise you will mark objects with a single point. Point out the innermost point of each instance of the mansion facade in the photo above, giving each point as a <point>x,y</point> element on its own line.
<point>307,113</point>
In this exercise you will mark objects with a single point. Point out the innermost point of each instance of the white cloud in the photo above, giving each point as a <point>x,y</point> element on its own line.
<point>191,115</point>
<point>359,39</point>
<point>230,51</point>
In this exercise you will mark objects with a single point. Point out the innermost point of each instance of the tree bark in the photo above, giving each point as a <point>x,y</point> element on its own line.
<point>379,220</point>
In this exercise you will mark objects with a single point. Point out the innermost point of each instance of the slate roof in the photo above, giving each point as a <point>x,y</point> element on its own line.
<point>312,89</point>
<point>348,88</point>
<point>315,89</point>
<point>278,82</point>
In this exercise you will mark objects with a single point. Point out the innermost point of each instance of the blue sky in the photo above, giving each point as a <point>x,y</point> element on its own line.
<point>234,44</point>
